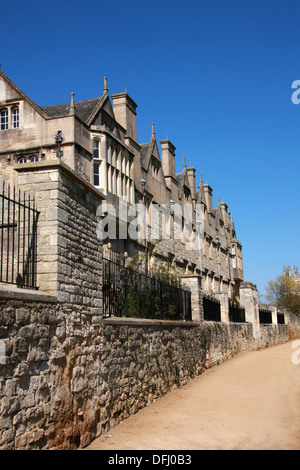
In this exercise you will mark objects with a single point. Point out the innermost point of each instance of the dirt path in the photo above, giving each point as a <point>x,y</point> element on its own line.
<point>250,402</point>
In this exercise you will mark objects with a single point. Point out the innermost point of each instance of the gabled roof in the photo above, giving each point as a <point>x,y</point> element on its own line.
<point>182,180</point>
<point>148,150</point>
<point>200,196</point>
<point>22,94</point>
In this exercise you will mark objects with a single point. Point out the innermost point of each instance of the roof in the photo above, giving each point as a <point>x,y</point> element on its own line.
<point>83,109</point>
<point>144,150</point>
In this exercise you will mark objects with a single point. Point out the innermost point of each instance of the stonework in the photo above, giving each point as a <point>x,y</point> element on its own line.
<point>287,271</point>
<point>66,380</point>
<point>97,140</point>
<point>69,252</point>
<point>67,374</point>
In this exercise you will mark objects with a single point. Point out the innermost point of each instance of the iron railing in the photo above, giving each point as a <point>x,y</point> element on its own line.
<point>130,293</point>
<point>236,313</point>
<point>18,238</point>
<point>212,308</point>
<point>265,316</point>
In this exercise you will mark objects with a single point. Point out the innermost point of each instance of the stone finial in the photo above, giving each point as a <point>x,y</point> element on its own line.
<point>184,164</point>
<point>152,131</point>
<point>105,89</point>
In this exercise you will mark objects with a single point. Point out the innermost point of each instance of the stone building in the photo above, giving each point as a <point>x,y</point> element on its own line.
<point>97,139</point>
<point>287,271</point>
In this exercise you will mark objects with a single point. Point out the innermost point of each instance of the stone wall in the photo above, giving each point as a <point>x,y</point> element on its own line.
<point>64,380</point>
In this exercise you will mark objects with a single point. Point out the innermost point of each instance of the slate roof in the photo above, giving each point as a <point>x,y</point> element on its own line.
<point>83,109</point>
<point>144,150</point>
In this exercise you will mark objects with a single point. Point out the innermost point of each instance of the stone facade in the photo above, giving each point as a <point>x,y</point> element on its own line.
<point>97,140</point>
<point>66,374</point>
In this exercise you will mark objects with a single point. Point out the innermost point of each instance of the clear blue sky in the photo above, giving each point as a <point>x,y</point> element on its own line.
<point>214,76</point>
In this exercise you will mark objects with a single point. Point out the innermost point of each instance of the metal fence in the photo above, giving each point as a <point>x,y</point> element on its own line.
<point>265,316</point>
<point>130,293</point>
<point>18,238</point>
<point>212,308</point>
<point>236,313</point>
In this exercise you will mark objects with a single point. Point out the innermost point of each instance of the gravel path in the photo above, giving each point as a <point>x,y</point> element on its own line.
<point>251,402</point>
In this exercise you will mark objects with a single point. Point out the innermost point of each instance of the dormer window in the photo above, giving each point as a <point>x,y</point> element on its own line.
<point>4,120</point>
<point>15,118</point>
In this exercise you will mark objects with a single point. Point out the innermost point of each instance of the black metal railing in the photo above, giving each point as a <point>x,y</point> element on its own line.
<point>130,293</point>
<point>18,238</point>
<point>265,316</point>
<point>236,313</point>
<point>212,308</point>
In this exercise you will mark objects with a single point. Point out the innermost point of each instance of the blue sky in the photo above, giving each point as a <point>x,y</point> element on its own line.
<point>214,76</point>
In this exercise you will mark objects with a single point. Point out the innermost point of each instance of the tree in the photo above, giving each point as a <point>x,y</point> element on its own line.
<point>284,292</point>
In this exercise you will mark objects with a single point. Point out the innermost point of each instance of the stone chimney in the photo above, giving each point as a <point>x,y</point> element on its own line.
<point>208,196</point>
<point>125,113</point>
<point>168,158</point>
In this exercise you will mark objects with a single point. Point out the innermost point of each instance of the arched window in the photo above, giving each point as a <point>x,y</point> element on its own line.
<point>34,158</point>
<point>4,120</point>
<point>15,118</point>
<point>22,160</point>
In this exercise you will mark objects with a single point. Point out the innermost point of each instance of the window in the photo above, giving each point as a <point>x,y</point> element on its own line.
<point>4,119</point>
<point>22,160</point>
<point>34,158</point>
<point>96,149</point>
<point>15,118</point>
<point>97,176</point>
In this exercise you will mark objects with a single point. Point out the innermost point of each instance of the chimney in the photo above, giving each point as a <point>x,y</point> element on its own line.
<point>168,158</point>
<point>72,105</point>
<point>125,113</point>
<point>208,196</point>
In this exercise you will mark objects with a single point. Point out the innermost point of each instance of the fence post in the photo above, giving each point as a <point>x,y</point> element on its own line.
<point>193,282</point>
<point>224,304</point>
<point>274,311</point>
<point>249,300</point>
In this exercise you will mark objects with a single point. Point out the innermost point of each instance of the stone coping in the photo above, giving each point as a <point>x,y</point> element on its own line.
<point>147,322</point>
<point>15,293</point>
<point>58,164</point>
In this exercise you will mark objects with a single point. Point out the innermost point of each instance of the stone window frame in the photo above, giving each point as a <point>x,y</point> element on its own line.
<point>12,119</point>
<point>97,173</point>
<point>119,171</point>
<point>4,118</point>
<point>15,113</point>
